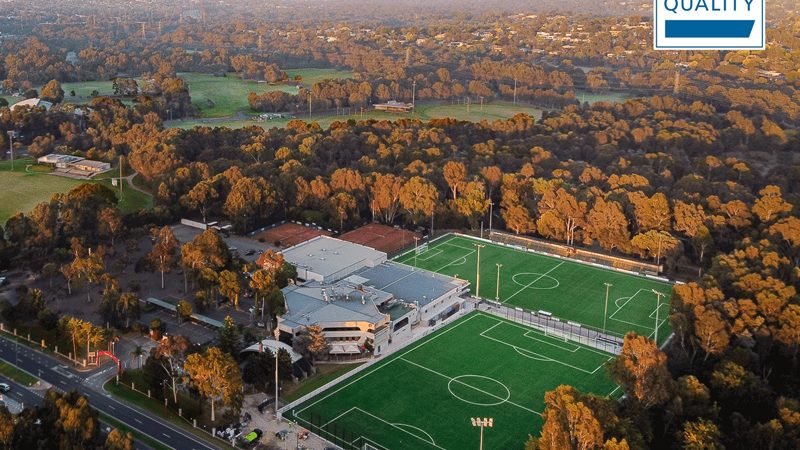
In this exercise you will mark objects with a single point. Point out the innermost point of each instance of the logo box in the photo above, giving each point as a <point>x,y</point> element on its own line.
<point>709,24</point>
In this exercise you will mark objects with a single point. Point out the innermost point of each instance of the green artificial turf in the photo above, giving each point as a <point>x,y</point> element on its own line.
<point>568,289</point>
<point>423,397</point>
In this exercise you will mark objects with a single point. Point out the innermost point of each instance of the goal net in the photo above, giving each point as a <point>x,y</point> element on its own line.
<point>557,334</point>
<point>422,249</point>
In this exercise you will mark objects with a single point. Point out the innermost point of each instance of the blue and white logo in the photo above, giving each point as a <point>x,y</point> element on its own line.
<point>709,24</point>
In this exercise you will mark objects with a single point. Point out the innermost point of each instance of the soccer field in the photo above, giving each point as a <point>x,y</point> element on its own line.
<point>568,289</point>
<point>423,397</point>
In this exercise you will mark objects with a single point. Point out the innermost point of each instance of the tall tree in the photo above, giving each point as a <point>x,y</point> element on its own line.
<point>229,286</point>
<point>418,197</point>
<point>52,92</point>
<point>201,197</point>
<point>216,375</point>
<point>641,370</point>
<point>163,253</point>
<point>455,174</point>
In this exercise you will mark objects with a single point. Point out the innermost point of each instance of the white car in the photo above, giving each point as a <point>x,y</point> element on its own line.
<point>4,388</point>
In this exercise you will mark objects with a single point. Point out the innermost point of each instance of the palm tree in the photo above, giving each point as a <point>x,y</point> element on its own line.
<point>127,305</point>
<point>138,352</point>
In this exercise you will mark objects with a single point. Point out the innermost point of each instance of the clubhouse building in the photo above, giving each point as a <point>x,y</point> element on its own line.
<point>360,300</point>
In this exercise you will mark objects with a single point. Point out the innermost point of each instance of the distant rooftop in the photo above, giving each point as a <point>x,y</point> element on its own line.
<point>33,103</point>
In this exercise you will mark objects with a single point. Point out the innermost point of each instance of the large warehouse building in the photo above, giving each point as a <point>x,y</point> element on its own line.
<point>359,299</point>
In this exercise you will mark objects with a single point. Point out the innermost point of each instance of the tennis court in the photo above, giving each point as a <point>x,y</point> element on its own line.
<point>568,289</point>
<point>423,397</point>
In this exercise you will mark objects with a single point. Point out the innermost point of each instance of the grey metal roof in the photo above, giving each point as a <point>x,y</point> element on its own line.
<point>409,284</point>
<point>326,256</point>
<point>343,302</point>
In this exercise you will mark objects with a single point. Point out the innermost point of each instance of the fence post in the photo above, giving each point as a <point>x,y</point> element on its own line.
<point>133,386</point>
<point>43,344</point>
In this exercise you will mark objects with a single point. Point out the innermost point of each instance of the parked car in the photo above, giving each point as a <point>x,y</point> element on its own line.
<point>250,252</point>
<point>4,388</point>
<point>281,435</point>
<point>3,281</point>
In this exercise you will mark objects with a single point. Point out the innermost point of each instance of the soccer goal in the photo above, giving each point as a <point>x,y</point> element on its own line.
<point>556,334</point>
<point>421,249</point>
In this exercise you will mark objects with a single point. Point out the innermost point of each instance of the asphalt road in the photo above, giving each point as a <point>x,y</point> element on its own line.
<point>63,378</point>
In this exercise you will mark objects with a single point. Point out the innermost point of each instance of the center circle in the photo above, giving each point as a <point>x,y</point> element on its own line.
<point>478,388</point>
<point>535,280</point>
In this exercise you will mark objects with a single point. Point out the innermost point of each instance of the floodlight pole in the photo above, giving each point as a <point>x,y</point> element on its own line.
<point>491,207</point>
<point>478,271</point>
<point>416,250</point>
<point>605,310</point>
<point>277,334</point>
<point>482,423</point>
<point>11,135</point>
<point>413,97</point>
<point>658,306</point>
<point>497,292</point>
<point>515,91</point>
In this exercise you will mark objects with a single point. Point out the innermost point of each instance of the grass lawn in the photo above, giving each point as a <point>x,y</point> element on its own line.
<point>228,94</point>
<point>83,90</point>
<point>493,111</point>
<point>310,77</point>
<point>20,191</point>
<point>16,374</point>
<point>326,373</point>
<point>594,97</point>
<point>29,185</point>
<point>423,397</point>
<point>568,289</point>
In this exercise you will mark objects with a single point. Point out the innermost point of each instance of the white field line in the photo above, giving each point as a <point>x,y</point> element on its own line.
<point>456,246</point>
<point>336,418</point>
<point>431,442</point>
<point>534,330</point>
<point>621,307</point>
<point>296,414</point>
<point>453,262</point>
<point>428,255</point>
<point>532,282</point>
<point>557,361</point>
<point>470,386</point>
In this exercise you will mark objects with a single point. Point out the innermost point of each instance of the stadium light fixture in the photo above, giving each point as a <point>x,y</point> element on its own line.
<point>482,423</point>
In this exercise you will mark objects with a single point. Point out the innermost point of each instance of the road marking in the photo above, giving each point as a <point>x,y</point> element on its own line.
<point>137,420</point>
<point>168,436</point>
<point>112,407</point>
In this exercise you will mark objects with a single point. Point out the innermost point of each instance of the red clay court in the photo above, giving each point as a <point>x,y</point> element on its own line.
<point>289,234</point>
<point>381,237</point>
